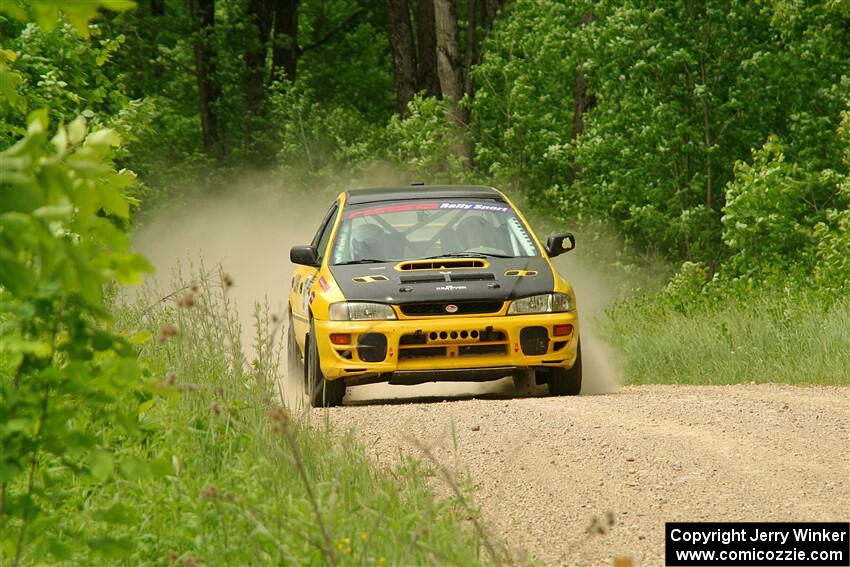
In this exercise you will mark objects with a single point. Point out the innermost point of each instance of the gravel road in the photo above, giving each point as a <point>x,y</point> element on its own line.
<point>582,480</point>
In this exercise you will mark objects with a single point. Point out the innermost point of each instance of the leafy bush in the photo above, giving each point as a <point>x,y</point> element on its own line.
<point>59,71</point>
<point>522,107</point>
<point>781,221</point>
<point>425,143</point>
<point>771,207</point>
<point>68,380</point>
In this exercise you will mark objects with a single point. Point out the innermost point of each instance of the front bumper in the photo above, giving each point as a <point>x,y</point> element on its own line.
<point>443,348</point>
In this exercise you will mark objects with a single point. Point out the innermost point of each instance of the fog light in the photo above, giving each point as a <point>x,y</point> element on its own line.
<point>561,330</point>
<point>341,338</point>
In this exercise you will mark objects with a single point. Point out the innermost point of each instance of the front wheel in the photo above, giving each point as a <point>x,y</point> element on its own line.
<point>323,392</point>
<point>294,366</point>
<point>566,381</point>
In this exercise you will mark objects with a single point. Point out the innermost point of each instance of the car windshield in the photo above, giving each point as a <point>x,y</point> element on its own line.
<point>406,230</point>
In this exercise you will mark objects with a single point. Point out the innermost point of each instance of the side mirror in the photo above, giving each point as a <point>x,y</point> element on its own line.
<point>560,243</point>
<point>304,255</point>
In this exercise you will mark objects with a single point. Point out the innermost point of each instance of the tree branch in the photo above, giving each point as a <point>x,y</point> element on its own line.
<point>327,37</point>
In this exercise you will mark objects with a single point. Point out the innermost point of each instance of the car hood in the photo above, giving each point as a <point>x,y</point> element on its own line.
<point>497,279</point>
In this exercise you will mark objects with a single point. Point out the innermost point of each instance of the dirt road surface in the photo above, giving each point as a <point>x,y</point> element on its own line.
<point>551,474</point>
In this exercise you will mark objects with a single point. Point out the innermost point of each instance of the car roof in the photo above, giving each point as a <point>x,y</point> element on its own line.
<point>407,192</point>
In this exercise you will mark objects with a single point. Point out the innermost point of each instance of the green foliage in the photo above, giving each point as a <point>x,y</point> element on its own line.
<point>69,76</point>
<point>682,91</point>
<point>522,108</point>
<point>767,220</point>
<point>782,220</point>
<point>425,144</point>
<point>226,473</point>
<point>363,82</point>
<point>46,13</point>
<point>67,380</point>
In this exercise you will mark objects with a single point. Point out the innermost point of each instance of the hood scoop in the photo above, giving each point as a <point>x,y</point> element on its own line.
<point>447,264</point>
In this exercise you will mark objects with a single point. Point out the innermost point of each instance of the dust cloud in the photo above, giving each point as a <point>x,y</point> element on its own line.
<point>601,363</point>
<point>248,231</point>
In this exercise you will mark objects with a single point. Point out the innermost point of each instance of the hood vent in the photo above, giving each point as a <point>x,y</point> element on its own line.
<point>448,278</point>
<point>448,264</point>
<point>370,279</point>
<point>473,277</point>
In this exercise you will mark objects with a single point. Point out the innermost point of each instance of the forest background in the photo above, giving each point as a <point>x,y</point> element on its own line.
<point>708,141</point>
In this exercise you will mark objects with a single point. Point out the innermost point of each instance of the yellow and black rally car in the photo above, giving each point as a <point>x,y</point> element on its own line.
<point>418,284</point>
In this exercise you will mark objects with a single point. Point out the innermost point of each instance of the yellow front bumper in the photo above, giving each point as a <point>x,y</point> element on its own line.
<point>450,343</point>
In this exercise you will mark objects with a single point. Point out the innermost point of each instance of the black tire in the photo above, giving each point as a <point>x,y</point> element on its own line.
<point>566,381</point>
<point>294,364</point>
<point>322,392</point>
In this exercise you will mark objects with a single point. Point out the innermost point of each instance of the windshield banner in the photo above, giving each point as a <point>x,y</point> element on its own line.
<point>428,206</point>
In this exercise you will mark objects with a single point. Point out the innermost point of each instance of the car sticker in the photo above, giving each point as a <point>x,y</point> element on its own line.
<point>305,297</point>
<point>392,209</point>
<point>450,287</point>
<point>428,206</point>
<point>323,283</point>
<point>475,207</point>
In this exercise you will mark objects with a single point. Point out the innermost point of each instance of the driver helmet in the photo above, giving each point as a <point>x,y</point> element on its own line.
<point>368,241</point>
<point>472,232</point>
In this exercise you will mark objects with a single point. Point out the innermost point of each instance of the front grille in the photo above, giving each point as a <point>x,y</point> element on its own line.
<point>463,308</point>
<point>421,352</point>
<point>454,343</point>
<point>480,350</point>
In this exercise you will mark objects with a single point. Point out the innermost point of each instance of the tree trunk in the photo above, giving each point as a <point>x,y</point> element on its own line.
<point>285,51</point>
<point>401,43</point>
<point>708,143</point>
<point>157,11</point>
<point>426,48</point>
<point>582,100</point>
<point>203,12</point>
<point>255,55</point>
<point>489,10</point>
<point>469,58</point>
<point>448,56</point>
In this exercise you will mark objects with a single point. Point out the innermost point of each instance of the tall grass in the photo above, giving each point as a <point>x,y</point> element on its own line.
<point>761,336</point>
<point>222,474</point>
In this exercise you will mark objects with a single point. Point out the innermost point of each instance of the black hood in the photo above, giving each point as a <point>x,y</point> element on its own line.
<point>502,280</point>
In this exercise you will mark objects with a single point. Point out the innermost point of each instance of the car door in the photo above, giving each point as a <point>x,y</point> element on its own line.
<point>304,277</point>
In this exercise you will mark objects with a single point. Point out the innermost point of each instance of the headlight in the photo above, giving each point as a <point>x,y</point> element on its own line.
<point>360,311</point>
<point>546,303</point>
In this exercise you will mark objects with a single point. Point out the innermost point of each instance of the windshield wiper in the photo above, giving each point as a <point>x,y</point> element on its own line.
<point>362,261</point>
<point>467,255</point>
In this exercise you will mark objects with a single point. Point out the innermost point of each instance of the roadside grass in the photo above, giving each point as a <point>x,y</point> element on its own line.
<point>220,473</point>
<point>760,336</point>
